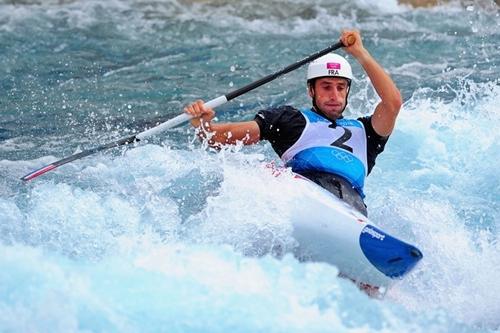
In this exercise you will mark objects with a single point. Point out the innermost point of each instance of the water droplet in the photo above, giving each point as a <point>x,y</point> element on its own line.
<point>233,68</point>
<point>231,84</point>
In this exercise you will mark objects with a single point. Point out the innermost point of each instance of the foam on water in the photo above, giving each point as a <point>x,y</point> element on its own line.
<point>447,189</point>
<point>116,237</point>
<point>291,17</point>
<point>178,288</point>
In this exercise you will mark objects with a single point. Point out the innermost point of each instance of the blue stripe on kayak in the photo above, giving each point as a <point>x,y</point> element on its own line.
<point>389,255</point>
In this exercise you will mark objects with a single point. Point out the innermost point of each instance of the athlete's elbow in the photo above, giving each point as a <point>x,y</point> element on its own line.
<point>394,103</point>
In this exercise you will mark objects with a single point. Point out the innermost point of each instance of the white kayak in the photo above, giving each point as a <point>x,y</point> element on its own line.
<point>329,230</point>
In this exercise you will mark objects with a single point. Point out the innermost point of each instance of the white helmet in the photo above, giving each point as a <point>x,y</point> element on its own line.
<point>330,64</point>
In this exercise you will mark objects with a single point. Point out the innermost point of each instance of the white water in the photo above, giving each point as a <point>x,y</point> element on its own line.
<point>153,239</point>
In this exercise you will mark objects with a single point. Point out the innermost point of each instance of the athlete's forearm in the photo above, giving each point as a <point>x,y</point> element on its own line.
<point>382,82</point>
<point>218,134</point>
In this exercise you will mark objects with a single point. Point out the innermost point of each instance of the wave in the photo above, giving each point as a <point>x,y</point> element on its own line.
<point>273,16</point>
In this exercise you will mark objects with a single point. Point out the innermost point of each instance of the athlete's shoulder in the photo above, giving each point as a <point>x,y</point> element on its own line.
<point>370,131</point>
<point>281,115</point>
<point>280,123</point>
<point>277,112</point>
<point>365,120</point>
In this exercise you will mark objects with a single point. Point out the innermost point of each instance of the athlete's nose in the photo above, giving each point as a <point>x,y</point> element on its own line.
<point>335,95</point>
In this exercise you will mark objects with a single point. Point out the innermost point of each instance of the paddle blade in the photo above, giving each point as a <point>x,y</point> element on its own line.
<point>38,172</point>
<point>77,156</point>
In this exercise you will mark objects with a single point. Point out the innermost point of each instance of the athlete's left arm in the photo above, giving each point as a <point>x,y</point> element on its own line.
<point>386,112</point>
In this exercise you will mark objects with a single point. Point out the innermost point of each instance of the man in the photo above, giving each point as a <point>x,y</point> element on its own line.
<point>318,143</point>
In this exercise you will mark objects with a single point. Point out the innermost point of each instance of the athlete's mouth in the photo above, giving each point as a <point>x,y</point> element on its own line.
<point>333,105</point>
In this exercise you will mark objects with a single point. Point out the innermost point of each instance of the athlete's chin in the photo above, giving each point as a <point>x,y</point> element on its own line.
<point>333,113</point>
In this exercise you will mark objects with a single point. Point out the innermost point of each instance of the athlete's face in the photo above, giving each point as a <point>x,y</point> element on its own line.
<point>330,94</point>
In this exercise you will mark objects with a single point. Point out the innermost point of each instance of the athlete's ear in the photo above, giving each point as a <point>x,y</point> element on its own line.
<point>310,90</point>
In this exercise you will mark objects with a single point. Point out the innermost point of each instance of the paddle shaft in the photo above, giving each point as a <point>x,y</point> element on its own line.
<point>185,117</point>
<point>238,92</point>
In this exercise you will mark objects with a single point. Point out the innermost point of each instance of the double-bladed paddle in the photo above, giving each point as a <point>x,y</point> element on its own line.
<point>184,117</point>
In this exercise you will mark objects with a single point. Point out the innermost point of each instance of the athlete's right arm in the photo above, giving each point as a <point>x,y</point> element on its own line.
<point>247,132</point>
